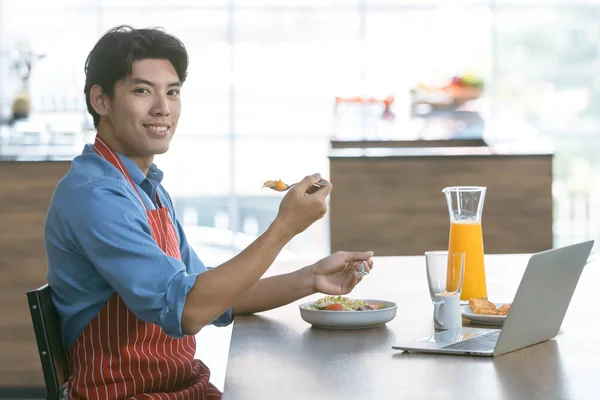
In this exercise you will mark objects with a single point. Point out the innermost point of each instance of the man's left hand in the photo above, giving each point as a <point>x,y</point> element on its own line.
<point>336,274</point>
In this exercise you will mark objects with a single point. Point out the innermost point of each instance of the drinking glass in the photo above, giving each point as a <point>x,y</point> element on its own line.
<point>444,272</point>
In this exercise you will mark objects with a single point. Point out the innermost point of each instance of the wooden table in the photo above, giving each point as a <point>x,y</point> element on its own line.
<point>276,355</point>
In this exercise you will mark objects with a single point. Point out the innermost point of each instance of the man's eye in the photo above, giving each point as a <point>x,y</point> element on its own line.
<point>173,92</point>
<point>141,90</point>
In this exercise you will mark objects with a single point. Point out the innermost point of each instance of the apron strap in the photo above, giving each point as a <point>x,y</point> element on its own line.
<point>103,150</point>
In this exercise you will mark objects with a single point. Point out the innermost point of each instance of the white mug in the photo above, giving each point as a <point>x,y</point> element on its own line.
<point>446,311</point>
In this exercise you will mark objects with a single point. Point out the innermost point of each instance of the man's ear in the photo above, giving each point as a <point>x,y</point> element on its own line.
<point>100,101</point>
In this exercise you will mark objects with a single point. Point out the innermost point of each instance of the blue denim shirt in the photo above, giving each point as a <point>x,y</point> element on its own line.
<point>99,242</point>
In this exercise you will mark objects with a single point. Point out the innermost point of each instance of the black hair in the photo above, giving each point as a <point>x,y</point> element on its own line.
<point>113,55</point>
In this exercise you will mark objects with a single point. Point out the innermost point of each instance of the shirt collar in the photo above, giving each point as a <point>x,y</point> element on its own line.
<point>136,174</point>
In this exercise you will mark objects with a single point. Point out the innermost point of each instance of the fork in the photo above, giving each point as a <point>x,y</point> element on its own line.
<point>317,185</point>
<point>362,273</point>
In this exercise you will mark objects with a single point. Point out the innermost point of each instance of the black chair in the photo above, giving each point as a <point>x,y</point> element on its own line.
<point>47,334</point>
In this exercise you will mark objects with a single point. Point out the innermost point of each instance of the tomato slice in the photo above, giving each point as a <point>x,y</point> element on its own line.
<point>334,307</point>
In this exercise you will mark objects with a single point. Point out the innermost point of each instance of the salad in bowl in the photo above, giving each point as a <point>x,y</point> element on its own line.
<point>341,303</point>
<point>339,312</point>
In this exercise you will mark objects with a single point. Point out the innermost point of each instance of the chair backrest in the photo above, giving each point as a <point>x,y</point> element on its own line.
<point>47,334</point>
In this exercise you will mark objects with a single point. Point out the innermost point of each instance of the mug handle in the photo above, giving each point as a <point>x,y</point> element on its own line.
<point>436,313</point>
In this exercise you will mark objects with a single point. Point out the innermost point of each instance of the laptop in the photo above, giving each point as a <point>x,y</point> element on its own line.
<point>536,314</point>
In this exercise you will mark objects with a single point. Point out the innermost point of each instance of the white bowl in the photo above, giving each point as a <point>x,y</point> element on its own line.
<point>349,319</point>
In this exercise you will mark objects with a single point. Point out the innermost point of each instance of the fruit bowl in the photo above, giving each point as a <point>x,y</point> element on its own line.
<point>460,90</point>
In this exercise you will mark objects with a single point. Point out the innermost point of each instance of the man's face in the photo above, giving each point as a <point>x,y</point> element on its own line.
<point>145,108</point>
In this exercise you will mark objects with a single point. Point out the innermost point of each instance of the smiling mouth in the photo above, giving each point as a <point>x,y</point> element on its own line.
<point>160,129</point>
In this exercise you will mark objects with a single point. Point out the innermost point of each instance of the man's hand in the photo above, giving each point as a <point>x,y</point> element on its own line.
<point>335,274</point>
<point>302,206</point>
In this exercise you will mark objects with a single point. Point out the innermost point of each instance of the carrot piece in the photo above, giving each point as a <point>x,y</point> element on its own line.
<point>279,185</point>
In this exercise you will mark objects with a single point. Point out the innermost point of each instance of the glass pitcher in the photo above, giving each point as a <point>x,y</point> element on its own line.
<point>465,206</point>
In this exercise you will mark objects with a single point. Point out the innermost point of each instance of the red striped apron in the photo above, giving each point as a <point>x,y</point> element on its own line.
<point>119,356</point>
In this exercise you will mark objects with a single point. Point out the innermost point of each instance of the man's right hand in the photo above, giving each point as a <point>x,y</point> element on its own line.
<point>302,206</point>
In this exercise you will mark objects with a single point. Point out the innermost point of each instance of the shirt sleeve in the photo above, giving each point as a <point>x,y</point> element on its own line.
<point>112,231</point>
<point>191,259</point>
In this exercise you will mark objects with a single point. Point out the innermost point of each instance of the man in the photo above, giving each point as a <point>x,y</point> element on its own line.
<point>130,292</point>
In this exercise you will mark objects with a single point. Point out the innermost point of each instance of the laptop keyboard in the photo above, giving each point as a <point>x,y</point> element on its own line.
<point>479,343</point>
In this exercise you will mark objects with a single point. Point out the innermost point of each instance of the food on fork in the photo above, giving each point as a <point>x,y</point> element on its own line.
<point>341,303</point>
<point>275,185</point>
<point>279,186</point>
<point>485,307</point>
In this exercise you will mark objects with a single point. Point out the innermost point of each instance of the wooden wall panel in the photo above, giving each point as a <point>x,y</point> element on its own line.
<point>27,188</point>
<point>394,205</point>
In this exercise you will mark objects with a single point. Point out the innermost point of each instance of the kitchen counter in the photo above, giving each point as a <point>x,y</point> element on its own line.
<point>389,200</point>
<point>27,188</point>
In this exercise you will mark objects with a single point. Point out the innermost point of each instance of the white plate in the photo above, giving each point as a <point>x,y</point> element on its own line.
<point>483,319</point>
<point>349,319</point>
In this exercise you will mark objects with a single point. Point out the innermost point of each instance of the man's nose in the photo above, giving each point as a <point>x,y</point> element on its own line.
<point>161,106</point>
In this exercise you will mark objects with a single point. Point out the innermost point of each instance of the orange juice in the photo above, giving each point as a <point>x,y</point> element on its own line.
<point>467,236</point>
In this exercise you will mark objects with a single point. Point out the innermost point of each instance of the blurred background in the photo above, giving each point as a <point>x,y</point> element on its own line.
<point>264,76</point>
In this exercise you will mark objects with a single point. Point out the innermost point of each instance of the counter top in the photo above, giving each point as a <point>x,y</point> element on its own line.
<point>475,151</point>
<point>407,142</point>
<point>28,153</point>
